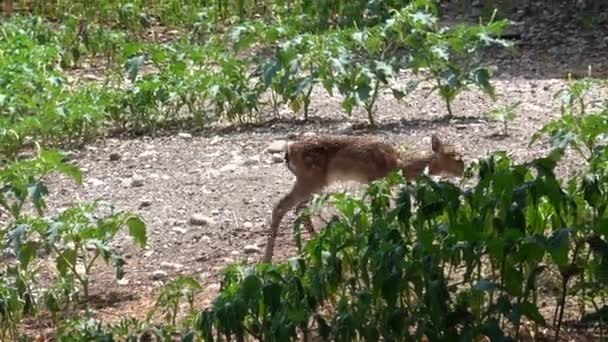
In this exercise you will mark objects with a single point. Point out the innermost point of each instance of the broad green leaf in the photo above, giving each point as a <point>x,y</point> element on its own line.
<point>251,286</point>
<point>137,230</point>
<point>531,311</point>
<point>27,253</point>
<point>133,66</point>
<point>65,261</point>
<point>559,244</point>
<point>513,281</point>
<point>38,192</point>
<point>269,70</point>
<point>482,79</point>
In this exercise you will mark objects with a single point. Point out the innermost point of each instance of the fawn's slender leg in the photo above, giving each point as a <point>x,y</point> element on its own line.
<point>307,220</point>
<point>300,192</point>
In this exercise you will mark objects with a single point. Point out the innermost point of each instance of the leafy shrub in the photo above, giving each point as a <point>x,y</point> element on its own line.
<point>449,55</point>
<point>74,239</point>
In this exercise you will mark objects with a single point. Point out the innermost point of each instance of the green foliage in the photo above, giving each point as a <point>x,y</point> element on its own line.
<point>74,239</point>
<point>433,260</point>
<point>437,261</point>
<point>577,127</point>
<point>22,181</point>
<point>505,115</point>
<point>169,299</point>
<point>448,56</point>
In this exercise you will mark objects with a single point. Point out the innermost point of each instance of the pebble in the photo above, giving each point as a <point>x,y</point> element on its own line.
<point>184,135</point>
<point>137,181</point>
<point>205,239</point>
<point>179,230</point>
<point>251,249</point>
<point>115,156</point>
<point>149,153</point>
<point>277,146</point>
<point>145,203</point>
<point>91,77</point>
<point>277,158</point>
<point>346,129</point>
<point>251,161</point>
<point>228,168</point>
<point>69,155</point>
<point>159,275</point>
<point>171,265</point>
<point>201,220</point>
<point>94,181</point>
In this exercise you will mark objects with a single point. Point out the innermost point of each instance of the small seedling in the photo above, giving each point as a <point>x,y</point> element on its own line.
<point>505,115</point>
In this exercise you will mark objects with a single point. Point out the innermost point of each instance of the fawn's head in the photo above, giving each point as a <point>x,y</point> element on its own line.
<point>445,160</point>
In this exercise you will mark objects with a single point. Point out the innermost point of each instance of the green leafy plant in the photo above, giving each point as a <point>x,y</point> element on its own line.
<point>22,181</point>
<point>505,115</point>
<point>79,238</point>
<point>449,56</point>
<point>369,73</point>
<point>168,301</point>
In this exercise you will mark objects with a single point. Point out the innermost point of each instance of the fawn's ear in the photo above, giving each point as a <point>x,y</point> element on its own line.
<point>436,144</point>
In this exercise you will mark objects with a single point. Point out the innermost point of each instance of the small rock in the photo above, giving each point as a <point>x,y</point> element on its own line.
<point>247,225</point>
<point>179,230</point>
<point>91,77</point>
<point>251,161</point>
<point>114,156</point>
<point>123,281</point>
<point>145,203</point>
<point>205,239</point>
<point>228,168</point>
<point>214,173</point>
<point>159,275</point>
<point>137,181</point>
<point>277,158</point>
<point>8,253</point>
<point>94,181</point>
<point>346,129</point>
<point>205,275</point>
<point>184,135</point>
<point>26,155</point>
<point>148,254</point>
<point>251,249</point>
<point>69,155</point>
<point>147,154</point>
<point>201,220</point>
<point>277,146</point>
<point>171,265</point>
<point>235,253</point>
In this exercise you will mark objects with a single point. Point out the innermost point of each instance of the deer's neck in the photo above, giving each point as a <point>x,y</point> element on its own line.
<point>413,166</point>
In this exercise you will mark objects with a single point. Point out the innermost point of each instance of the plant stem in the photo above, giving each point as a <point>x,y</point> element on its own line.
<point>449,108</point>
<point>561,306</point>
<point>370,108</point>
